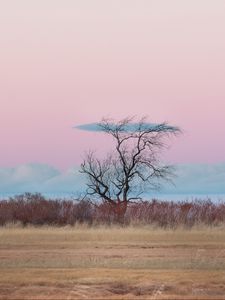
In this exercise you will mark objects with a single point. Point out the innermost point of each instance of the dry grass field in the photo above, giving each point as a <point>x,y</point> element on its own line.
<point>112,263</point>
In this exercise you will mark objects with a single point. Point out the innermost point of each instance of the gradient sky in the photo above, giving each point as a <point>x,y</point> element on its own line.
<point>70,62</point>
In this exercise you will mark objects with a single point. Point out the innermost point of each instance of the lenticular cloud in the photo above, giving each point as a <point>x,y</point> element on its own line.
<point>131,127</point>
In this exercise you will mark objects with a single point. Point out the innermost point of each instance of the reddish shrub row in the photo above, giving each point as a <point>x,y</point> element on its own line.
<point>37,210</point>
<point>173,214</point>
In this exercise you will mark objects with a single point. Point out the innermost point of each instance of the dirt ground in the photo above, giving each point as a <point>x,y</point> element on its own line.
<point>112,263</point>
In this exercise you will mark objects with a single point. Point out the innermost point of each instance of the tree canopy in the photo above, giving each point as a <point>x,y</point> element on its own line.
<point>132,166</point>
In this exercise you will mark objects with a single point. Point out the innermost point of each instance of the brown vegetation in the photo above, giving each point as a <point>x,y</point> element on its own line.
<point>35,209</point>
<point>82,262</point>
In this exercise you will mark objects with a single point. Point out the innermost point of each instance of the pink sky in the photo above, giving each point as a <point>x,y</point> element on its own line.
<point>69,62</point>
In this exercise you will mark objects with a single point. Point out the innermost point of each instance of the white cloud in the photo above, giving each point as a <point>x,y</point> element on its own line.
<point>70,181</point>
<point>29,177</point>
<point>199,179</point>
<point>191,179</point>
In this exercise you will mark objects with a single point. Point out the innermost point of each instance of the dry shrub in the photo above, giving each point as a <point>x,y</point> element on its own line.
<point>35,209</point>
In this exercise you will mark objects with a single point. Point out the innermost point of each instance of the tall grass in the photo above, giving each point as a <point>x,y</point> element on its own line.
<point>35,209</point>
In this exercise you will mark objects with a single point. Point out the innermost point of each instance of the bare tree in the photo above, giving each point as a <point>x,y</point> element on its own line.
<point>133,166</point>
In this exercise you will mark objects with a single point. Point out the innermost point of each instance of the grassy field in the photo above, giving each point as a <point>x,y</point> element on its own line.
<point>112,263</point>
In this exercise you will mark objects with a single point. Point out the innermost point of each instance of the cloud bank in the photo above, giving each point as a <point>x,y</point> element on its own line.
<point>192,179</point>
<point>39,178</point>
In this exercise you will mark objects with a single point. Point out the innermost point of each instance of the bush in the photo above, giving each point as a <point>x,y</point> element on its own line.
<point>35,209</point>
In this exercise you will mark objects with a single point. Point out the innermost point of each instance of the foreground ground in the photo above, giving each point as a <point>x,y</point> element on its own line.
<point>112,263</point>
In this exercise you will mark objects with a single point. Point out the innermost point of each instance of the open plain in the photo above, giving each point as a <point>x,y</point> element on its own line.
<point>84,262</point>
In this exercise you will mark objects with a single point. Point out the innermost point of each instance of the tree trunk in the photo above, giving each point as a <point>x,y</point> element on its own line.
<point>119,211</point>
